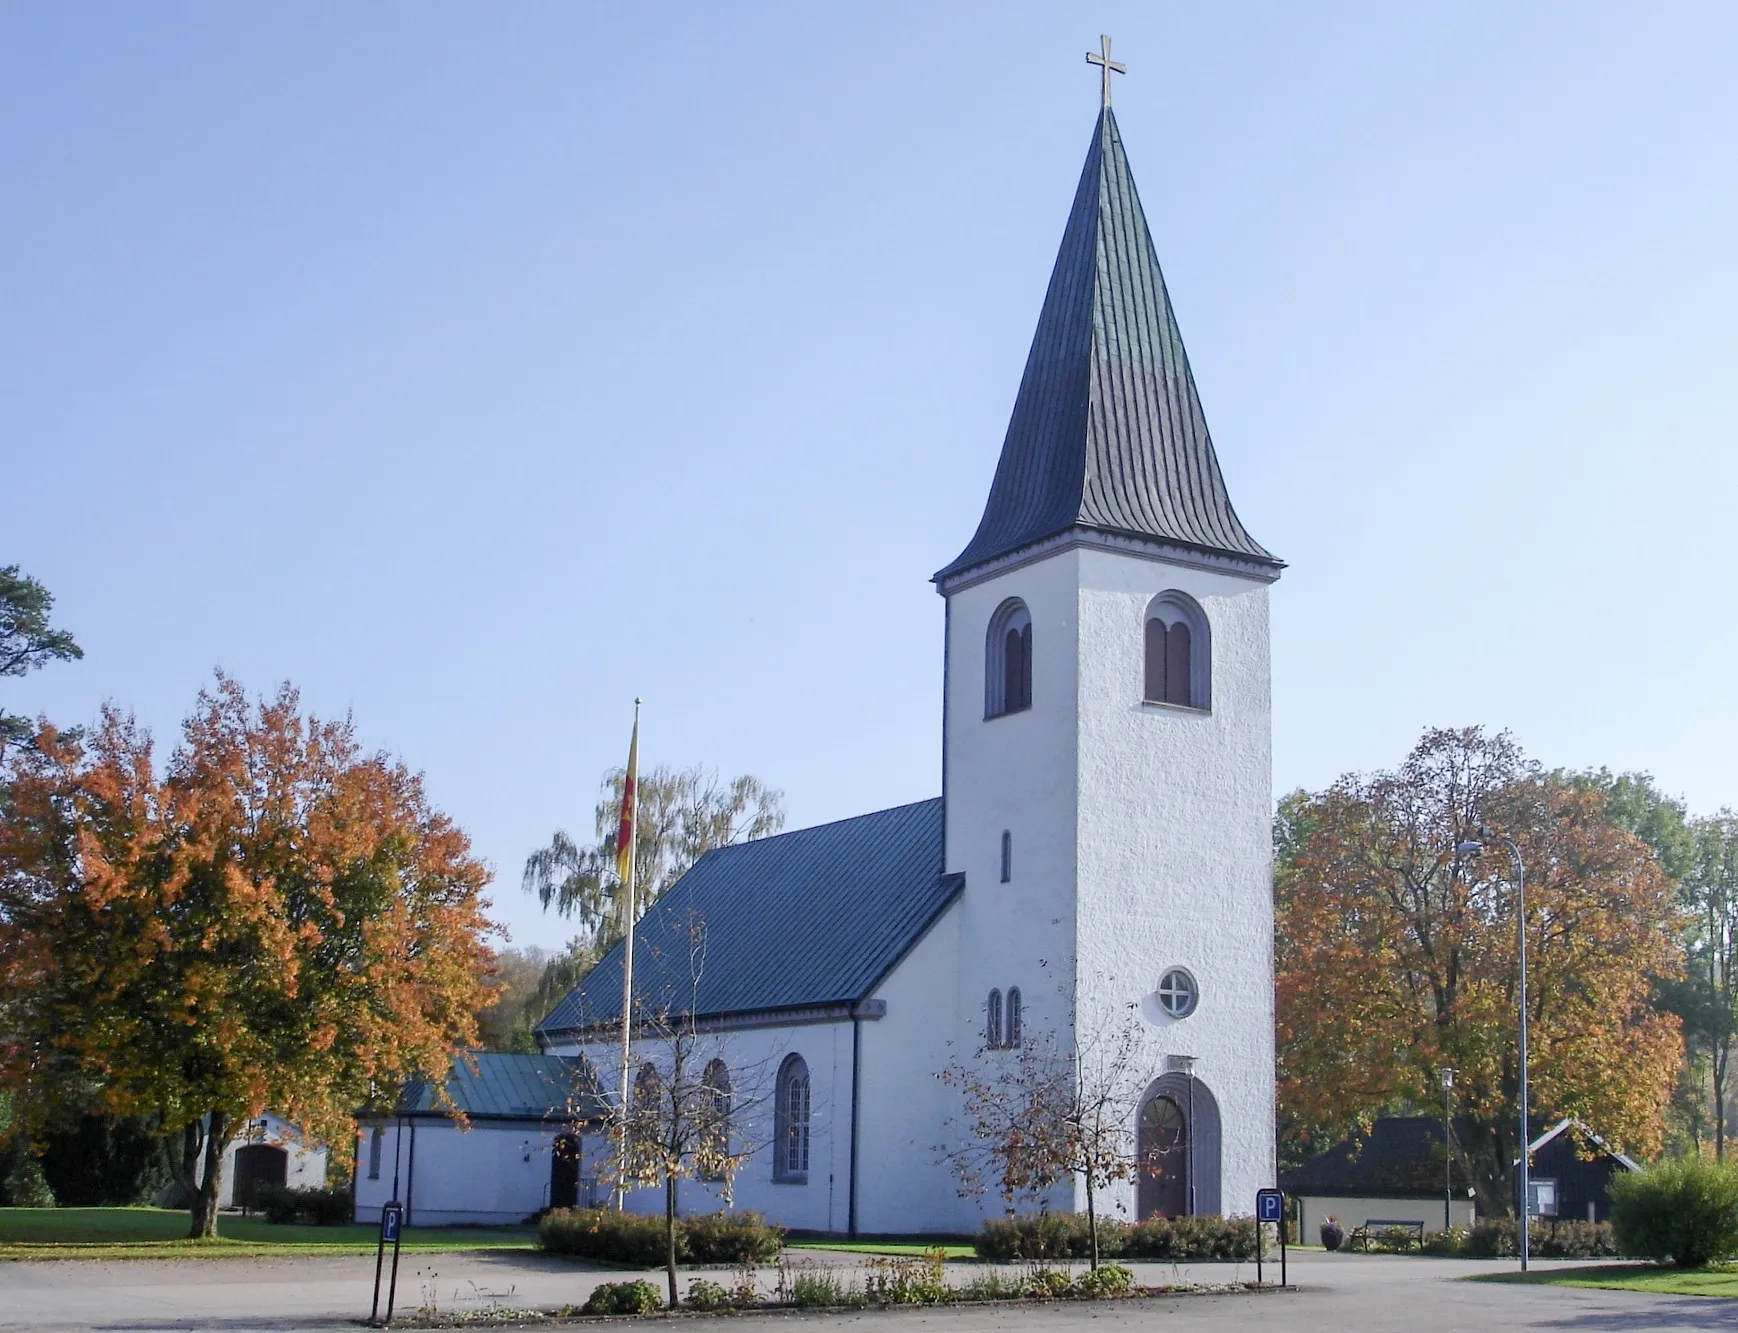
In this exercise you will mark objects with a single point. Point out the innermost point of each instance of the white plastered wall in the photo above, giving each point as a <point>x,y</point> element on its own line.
<point>304,1166</point>
<point>1314,1209</point>
<point>1175,836</point>
<point>493,1173</point>
<point>907,1183</point>
<point>818,1203</point>
<point>1141,833</point>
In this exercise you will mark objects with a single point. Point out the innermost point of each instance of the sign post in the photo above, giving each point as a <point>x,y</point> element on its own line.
<point>391,1223</point>
<point>1269,1207</point>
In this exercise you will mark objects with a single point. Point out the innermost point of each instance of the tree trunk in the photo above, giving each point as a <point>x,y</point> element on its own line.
<point>182,1163</point>
<point>1092,1219</point>
<point>670,1233</point>
<point>204,1208</point>
<point>1722,1058</point>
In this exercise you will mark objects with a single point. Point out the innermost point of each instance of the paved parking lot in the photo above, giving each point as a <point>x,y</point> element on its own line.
<point>1334,1292</point>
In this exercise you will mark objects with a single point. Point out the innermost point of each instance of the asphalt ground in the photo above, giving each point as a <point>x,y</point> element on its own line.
<point>1334,1293</point>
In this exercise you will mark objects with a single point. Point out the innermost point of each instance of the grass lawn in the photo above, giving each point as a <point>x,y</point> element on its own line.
<point>1719,1281</point>
<point>158,1233</point>
<point>911,1247</point>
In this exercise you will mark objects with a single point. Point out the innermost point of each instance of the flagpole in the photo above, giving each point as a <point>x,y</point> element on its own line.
<point>630,825</point>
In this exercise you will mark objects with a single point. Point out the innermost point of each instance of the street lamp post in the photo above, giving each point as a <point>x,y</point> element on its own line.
<point>1470,846</point>
<point>1447,1157</point>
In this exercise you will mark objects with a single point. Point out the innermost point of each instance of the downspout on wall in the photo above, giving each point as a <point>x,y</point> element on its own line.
<point>856,1104</point>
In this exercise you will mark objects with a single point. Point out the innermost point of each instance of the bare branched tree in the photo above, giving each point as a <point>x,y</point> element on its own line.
<point>1060,1106</point>
<point>696,1110</point>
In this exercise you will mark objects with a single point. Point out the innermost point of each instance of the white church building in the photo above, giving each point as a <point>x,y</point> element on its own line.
<point>1100,851</point>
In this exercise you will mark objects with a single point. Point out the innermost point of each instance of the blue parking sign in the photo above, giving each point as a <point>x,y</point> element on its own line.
<point>1269,1206</point>
<point>390,1217</point>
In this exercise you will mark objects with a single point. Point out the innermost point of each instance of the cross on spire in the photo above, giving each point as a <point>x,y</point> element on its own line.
<point>1106,64</point>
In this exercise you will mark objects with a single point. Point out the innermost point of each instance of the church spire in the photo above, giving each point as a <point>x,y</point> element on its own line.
<point>1107,432</point>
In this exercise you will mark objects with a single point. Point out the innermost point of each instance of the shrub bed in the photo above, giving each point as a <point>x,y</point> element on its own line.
<point>632,1238</point>
<point>732,1238</point>
<point>321,1207</point>
<point>624,1298</point>
<point>1036,1237</point>
<point>1683,1211</point>
<point>1500,1238</point>
<point>1207,1238</point>
<point>1033,1237</point>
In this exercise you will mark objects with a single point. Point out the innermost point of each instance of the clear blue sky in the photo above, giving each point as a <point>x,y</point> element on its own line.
<point>480,367</point>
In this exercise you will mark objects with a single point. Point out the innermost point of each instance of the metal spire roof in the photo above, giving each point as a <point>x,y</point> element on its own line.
<point>1107,432</point>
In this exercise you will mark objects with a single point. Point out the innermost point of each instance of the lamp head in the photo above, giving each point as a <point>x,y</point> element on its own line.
<point>1469,847</point>
<point>1448,1078</point>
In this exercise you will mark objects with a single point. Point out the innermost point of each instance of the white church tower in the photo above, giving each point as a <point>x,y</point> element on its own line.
<point>1107,750</point>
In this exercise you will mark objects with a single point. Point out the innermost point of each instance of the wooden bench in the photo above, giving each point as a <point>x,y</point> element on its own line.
<point>1378,1227</point>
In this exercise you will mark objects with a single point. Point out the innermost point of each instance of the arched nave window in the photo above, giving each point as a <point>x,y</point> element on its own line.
<point>1008,660</point>
<point>1179,654</point>
<point>376,1141</point>
<point>715,1131</point>
<point>1013,1016</point>
<point>791,1116</point>
<point>993,1021</point>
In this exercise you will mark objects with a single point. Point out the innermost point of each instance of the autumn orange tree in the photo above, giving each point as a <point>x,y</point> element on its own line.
<point>1396,955</point>
<point>275,919</point>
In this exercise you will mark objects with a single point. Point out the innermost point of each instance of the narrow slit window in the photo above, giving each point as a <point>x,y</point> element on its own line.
<point>1007,856</point>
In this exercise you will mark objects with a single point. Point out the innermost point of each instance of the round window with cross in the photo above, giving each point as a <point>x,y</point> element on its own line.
<point>1178,993</point>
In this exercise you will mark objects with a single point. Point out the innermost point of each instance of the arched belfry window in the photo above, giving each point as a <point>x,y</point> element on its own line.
<point>1008,660</point>
<point>1179,655</point>
<point>993,1023</point>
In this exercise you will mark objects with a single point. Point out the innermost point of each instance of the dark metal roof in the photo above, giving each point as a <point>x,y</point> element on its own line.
<point>1401,1155</point>
<point>804,919</point>
<point>1107,431</point>
<point>505,1086</point>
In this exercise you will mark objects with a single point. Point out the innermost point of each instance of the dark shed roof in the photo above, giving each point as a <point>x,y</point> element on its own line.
<point>1107,431</point>
<point>494,1085</point>
<point>800,920</point>
<point>1402,1155</point>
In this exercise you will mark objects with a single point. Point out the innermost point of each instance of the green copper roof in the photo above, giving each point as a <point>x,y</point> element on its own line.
<point>1107,432</point>
<point>498,1085</point>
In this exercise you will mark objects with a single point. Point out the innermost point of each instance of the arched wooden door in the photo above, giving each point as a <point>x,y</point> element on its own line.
<point>1163,1145</point>
<point>258,1164</point>
<point>564,1172</point>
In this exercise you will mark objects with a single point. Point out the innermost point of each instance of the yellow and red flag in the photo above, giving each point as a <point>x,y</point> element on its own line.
<point>625,830</point>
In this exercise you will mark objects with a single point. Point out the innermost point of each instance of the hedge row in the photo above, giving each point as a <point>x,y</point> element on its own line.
<point>632,1238</point>
<point>1039,1236</point>
<point>322,1207</point>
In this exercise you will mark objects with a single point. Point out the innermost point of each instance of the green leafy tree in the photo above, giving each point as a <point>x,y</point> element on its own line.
<point>27,641</point>
<point>1707,995</point>
<point>683,814</point>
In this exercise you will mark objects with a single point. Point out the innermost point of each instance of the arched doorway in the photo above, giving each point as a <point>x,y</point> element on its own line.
<point>258,1164</point>
<point>1163,1147</point>
<point>564,1172</point>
